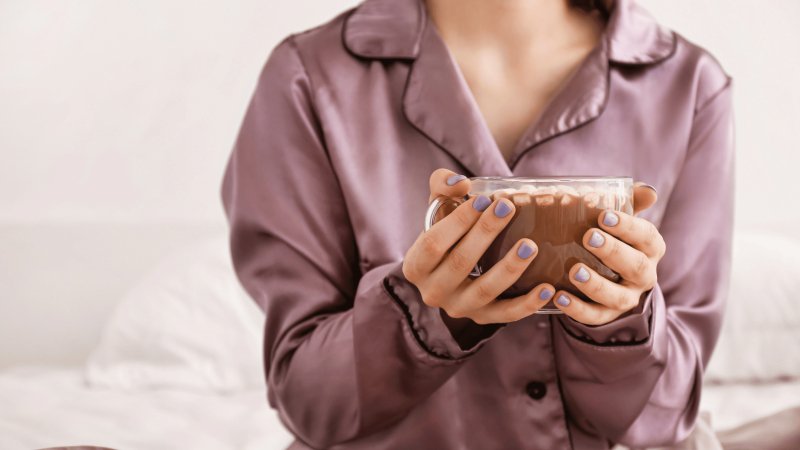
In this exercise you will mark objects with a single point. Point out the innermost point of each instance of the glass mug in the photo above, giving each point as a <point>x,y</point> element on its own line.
<point>555,213</point>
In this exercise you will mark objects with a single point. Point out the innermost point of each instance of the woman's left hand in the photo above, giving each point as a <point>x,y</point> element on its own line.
<point>628,245</point>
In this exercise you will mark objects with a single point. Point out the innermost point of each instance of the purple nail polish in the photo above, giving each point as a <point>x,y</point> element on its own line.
<point>582,275</point>
<point>546,294</point>
<point>610,219</point>
<point>597,240</point>
<point>525,250</point>
<point>455,179</point>
<point>481,203</point>
<point>563,300</point>
<point>502,209</point>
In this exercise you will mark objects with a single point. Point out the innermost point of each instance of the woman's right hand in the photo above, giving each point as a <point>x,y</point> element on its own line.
<point>440,260</point>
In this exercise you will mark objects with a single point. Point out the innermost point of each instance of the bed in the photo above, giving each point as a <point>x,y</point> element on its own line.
<point>178,363</point>
<point>48,407</point>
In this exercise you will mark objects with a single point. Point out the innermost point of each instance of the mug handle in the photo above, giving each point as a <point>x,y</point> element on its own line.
<point>430,219</point>
<point>434,207</point>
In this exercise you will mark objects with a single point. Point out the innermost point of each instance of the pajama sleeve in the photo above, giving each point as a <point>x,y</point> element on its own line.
<point>345,353</point>
<point>637,380</point>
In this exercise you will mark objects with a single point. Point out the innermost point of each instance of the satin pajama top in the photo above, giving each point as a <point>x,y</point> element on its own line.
<point>326,189</point>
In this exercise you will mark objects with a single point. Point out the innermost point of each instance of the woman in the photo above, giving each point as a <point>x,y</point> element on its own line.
<point>374,335</point>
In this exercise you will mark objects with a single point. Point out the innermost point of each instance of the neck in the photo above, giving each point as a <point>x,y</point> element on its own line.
<point>515,25</point>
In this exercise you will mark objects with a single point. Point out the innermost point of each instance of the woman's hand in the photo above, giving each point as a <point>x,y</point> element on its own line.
<point>440,260</point>
<point>628,245</point>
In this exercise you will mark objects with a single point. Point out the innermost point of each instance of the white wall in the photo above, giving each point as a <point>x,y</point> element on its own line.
<point>124,112</point>
<point>758,43</point>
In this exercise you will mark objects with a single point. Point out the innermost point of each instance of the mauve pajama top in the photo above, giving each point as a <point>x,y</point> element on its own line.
<point>327,187</point>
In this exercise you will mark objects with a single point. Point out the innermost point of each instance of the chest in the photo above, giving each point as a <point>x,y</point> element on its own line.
<point>511,96</point>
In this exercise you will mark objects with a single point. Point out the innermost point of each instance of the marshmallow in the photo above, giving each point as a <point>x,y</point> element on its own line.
<point>591,199</point>
<point>545,200</point>
<point>567,190</point>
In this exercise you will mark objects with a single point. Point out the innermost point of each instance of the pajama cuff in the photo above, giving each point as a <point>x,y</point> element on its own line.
<point>634,327</point>
<point>427,324</point>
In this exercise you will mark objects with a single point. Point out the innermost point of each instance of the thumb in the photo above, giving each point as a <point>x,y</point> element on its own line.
<point>448,183</point>
<point>644,196</point>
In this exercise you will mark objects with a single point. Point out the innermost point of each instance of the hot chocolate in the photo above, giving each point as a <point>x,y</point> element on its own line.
<point>555,216</point>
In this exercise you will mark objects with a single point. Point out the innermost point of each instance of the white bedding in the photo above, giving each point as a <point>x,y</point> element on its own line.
<point>732,405</point>
<point>50,407</point>
<point>42,407</point>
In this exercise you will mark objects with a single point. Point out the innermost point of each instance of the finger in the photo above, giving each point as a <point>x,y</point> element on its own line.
<point>644,196</point>
<point>513,309</point>
<point>638,232</point>
<point>583,312</point>
<point>432,245</point>
<point>448,183</point>
<point>500,277</point>
<point>601,290</point>
<point>460,261</point>
<point>633,266</point>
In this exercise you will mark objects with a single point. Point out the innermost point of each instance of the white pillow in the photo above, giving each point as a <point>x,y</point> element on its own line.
<point>760,338</point>
<point>187,324</point>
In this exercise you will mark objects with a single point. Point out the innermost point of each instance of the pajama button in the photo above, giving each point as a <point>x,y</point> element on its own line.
<point>536,390</point>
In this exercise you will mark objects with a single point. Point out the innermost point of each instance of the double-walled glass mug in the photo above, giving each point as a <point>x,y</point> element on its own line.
<point>555,213</point>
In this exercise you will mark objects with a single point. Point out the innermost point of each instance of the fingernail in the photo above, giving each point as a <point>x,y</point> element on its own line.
<point>582,275</point>
<point>650,187</point>
<point>610,219</point>
<point>455,179</point>
<point>596,240</point>
<point>525,250</point>
<point>546,294</point>
<point>502,209</point>
<point>481,203</point>
<point>563,300</point>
